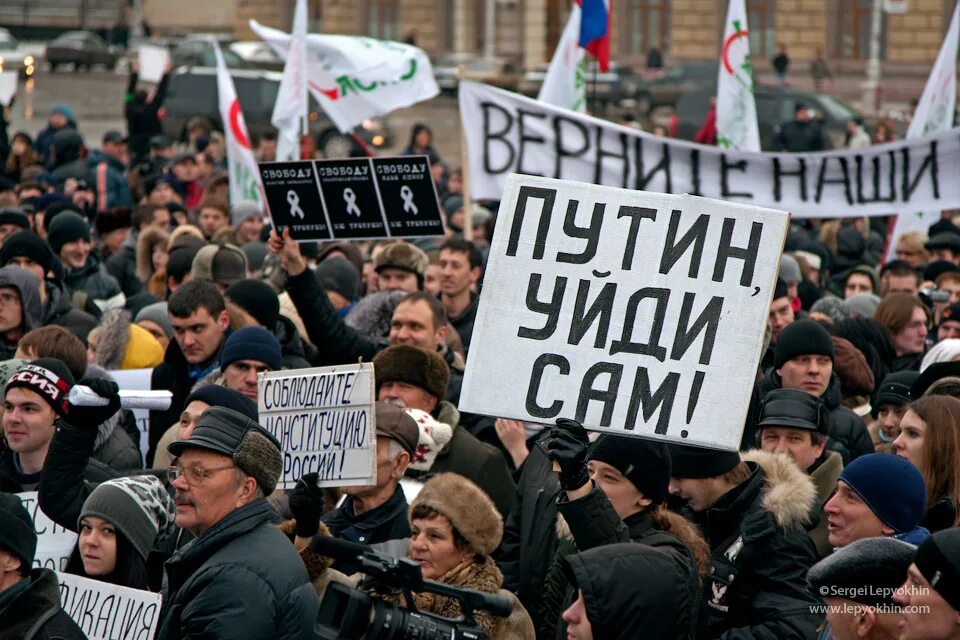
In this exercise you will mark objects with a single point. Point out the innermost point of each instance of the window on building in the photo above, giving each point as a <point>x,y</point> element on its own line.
<point>852,39</point>
<point>760,22</point>
<point>645,24</point>
<point>383,19</point>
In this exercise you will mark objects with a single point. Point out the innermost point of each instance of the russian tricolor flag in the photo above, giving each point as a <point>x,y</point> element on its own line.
<point>595,30</point>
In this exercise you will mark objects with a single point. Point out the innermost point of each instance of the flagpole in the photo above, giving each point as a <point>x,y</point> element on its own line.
<point>465,172</point>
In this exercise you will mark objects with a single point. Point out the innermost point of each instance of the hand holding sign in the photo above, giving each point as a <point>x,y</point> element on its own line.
<point>567,448</point>
<point>153,62</point>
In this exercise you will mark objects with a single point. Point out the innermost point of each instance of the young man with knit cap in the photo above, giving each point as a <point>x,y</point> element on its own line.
<point>69,237</point>
<point>417,378</point>
<point>29,598</point>
<point>795,423</point>
<point>20,308</point>
<point>753,513</point>
<point>893,396</point>
<point>247,353</point>
<point>239,578</point>
<point>858,583</point>
<point>31,253</point>
<point>930,596</point>
<point>877,495</point>
<point>803,360</point>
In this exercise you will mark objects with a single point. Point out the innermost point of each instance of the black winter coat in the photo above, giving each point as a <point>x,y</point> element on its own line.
<point>240,579</point>
<point>464,322</point>
<point>798,137</point>
<point>593,523</point>
<point>387,522</point>
<point>93,279</point>
<point>123,267</point>
<point>59,310</point>
<point>848,435</point>
<point>761,554</point>
<point>529,532</point>
<point>143,121</point>
<point>36,614</point>
<point>297,354</point>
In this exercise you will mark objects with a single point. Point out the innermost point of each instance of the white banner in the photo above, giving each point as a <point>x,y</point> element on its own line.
<point>509,133</point>
<point>736,107</point>
<point>290,111</point>
<point>54,543</point>
<point>635,313</point>
<point>153,62</point>
<point>934,114</point>
<point>137,380</point>
<point>325,422</point>
<point>565,85</point>
<point>106,611</point>
<point>241,164</point>
<point>354,78</point>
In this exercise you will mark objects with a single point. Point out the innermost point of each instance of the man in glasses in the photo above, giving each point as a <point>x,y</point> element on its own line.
<point>240,577</point>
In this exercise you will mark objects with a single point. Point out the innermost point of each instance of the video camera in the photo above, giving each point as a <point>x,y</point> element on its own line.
<point>352,614</point>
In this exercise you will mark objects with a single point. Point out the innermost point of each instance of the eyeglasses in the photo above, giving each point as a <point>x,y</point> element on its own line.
<point>193,475</point>
<point>7,299</point>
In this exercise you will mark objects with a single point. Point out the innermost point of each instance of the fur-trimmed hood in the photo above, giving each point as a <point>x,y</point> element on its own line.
<point>788,493</point>
<point>113,333</point>
<point>149,239</point>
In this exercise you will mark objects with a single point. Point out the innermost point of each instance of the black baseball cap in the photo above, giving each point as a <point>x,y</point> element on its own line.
<point>113,136</point>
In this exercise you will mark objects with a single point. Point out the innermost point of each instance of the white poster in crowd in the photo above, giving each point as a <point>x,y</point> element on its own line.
<point>635,313</point>
<point>325,422</point>
<point>106,611</point>
<point>241,164</point>
<point>509,133</point>
<point>354,78</point>
<point>934,114</point>
<point>54,543</point>
<point>137,380</point>
<point>736,108</point>
<point>153,62</point>
<point>565,85</point>
<point>8,87</point>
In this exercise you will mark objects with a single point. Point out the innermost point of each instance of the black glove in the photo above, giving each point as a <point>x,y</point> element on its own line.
<point>567,446</point>
<point>306,505</point>
<point>93,417</point>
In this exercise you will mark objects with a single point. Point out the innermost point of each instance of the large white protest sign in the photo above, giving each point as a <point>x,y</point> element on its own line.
<point>509,133</point>
<point>153,62</point>
<point>8,87</point>
<point>54,543</point>
<point>637,313</point>
<point>106,611</point>
<point>139,380</point>
<point>325,422</point>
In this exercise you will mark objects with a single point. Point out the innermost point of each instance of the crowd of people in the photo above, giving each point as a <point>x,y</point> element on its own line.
<point>838,518</point>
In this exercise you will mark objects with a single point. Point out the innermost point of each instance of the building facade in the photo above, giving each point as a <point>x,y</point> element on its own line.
<point>526,31</point>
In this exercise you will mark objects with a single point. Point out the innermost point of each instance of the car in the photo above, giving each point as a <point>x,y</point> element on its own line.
<point>664,88</point>
<point>446,70</point>
<point>616,87</point>
<point>197,50</point>
<point>82,49</point>
<point>192,91</point>
<point>16,57</point>
<point>775,105</point>
<point>257,54</point>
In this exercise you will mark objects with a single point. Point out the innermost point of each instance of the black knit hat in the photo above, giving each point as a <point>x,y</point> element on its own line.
<point>217,396</point>
<point>938,559</point>
<point>16,529</point>
<point>895,388</point>
<point>67,227</point>
<point>257,298</point>
<point>802,338</point>
<point>337,274</point>
<point>868,571</point>
<point>49,378</point>
<point>780,291</point>
<point>412,365</point>
<point>698,463</point>
<point>793,409</point>
<point>645,463</point>
<point>27,244</point>
<point>14,216</point>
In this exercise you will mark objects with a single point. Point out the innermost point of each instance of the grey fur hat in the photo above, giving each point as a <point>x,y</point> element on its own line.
<point>832,307</point>
<point>371,315</point>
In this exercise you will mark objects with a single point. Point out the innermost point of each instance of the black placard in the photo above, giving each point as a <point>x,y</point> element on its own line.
<point>350,199</point>
<point>293,200</point>
<point>409,196</point>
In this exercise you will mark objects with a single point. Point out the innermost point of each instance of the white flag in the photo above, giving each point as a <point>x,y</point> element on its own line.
<point>290,110</point>
<point>564,84</point>
<point>354,78</point>
<point>934,114</point>
<point>241,165</point>
<point>736,107</point>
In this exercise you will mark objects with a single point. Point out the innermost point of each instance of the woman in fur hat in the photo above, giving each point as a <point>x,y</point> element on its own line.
<point>152,254</point>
